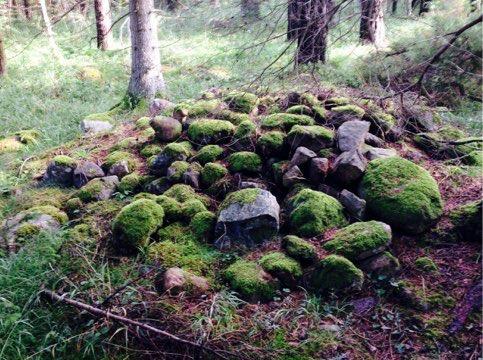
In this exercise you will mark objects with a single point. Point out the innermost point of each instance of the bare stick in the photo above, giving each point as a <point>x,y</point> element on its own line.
<point>124,320</point>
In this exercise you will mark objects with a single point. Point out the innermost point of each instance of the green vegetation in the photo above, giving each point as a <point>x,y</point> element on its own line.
<point>129,183</point>
<point>245,161</point>
<point>314,212</point>
<point>284,121</point>
<point>133,226</point>
<point>426,264</point>
<point>242,101</point>
<point>209,153</point>
<point>202,225</point>
<point>402,194</point>
<point>176,170</point>
<point>280,265</point>
<point>249,280</point>
<point>352,110</point>
<point>299,249</point>
<point>211,173</point>
<point>271,142</point>
<point>246,129</point>
<point>119,155</point>
<point>245,196</point>
<point>360,240</point>
<point>63,160</point>
<point>206,131</point>
<point>336,273</point>
<point>183,193</point>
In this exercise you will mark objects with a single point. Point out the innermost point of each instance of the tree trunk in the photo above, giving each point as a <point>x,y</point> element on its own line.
<point>146,77</point>
<point>49,31</point>
<point>172,5</point>
<point>372,22</point>
<point>292,18</point>
<point>313,26</point>
<point>394,7</point>
<point>103,24</point>
<point>27,10</point>
<point>3,65</point>
<point>250,9</point>
<point>424,6</point>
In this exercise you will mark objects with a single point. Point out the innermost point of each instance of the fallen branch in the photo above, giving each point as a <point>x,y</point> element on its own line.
<point>124,320</point>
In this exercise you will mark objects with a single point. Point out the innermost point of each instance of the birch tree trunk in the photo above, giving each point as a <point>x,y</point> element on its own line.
<point>3,65</point>
<point>146,77</point>
<point>49,31</point>
<point>372,22</point>
<point>103,24</point>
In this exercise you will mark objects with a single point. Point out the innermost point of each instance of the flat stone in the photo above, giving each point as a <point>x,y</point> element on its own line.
<point>248,224</point>
<point>349,166</point>
<point>351,134</point>
<point>319,168</point>
<point>158,105</point>
<point>92,127</point>
<point>86,171</point>
<point>377,153</point>
<point>292,176</point>
<point>120,169</point>
<point>301,156</point>
<point>374,140</point>
<point>354,205</point>
<point>176,280</point>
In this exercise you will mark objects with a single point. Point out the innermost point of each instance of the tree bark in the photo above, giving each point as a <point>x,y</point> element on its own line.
<point>3,59</point>
<point>27,10</point>
<point>49,31</point>
<point>372,22</point>
<point>394,6</point>
<point>424,6</point>
<point>103,24</point>
<point>250,9</point>
<point>292,18</point>
<point>313,18</point>
<point>146,77</point>
<point>172,5</point>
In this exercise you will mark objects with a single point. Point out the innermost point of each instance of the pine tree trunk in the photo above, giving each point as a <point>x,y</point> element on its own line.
<point>313,21</point>
<point>250,9</point>
<point>103,24</point>
<point>372,22</point>
<point>146,77</point>
<point>3,65</point>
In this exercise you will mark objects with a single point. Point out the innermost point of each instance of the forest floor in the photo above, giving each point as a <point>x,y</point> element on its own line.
<point>53,96</point>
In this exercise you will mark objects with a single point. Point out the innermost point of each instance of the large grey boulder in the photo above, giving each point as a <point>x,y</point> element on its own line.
<point>247,218</point>
<point>349,166</point>
<point>352,134</point>
<point>59,173</point>
<point>166,128</point>
<point>85,172</point>
<point>354,205</point>
<point>301,156</point>
<point>93,127</point>
<point>292,176</point>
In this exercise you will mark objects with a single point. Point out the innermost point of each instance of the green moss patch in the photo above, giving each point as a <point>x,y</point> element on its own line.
<point>119,155</point>
<point>271,142</point>
<point>284,121</point>
<point>182,193</point>
<point>203,225</point>
<point>136,222</point>
<point>235,118</point>
<point>58,215</point>
<point>129,183</point>
<point>150,150</point>
<point>171,207</point>
<point>426,264</point>
<point>197,108</point>
<point>402,194</point>
<point>244,196</point>
<point>246,129</point>
<point>177,149</point>
<point>336,273</point>
<point>176,170</point>
<point>64,160</point>
<point>211,173</point>
<point>286,269</point>
<point>299,249</point>
<point>249,279</point>
<point>314,212</point>
<point>209,131</point>
<point>360,240</point>
<point>241,101</point>
<point>245,161</point>
<point>352,110</point>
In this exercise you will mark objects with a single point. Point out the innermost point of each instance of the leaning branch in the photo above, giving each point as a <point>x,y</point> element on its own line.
<point>124,320</point>
<point>435,58</point>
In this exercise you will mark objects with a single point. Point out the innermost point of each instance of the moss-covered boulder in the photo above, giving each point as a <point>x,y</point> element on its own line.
<point>209,153</point>
<point>271,143</point>
<point>60,171</point>
<point>247,218</point>
<point>196,108</point>
<point>169,154</point>
<point>251,281</point>
<point>183,193</point>
<point>130,183</point>
<point>360,240</point>
<point>352,111</point>
<point>313,137</point>
<point>313,212</point>
<point>176,170</point>
<point>203,225</point>
<point>150,150</point>
<point>426,264</point>
<point>210,131</point>
<point>211,173</point>
<point>284,268</point>
<point>284,121</point>
<point>466,220</point>
<point>118,156</point>
<point>245,161</point>
<point>241,101</point>
<point>136,222</point>
<point>98,189</point>
<point>299,249</point>
<point>402,194</point>
<point>300,110</point>
<point>336,273</point>
<point>166,128</point>
<point>235,118</point>
<point>384,265</point>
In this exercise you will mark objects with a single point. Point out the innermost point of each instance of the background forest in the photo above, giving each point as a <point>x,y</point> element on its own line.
<point>56,69</point>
